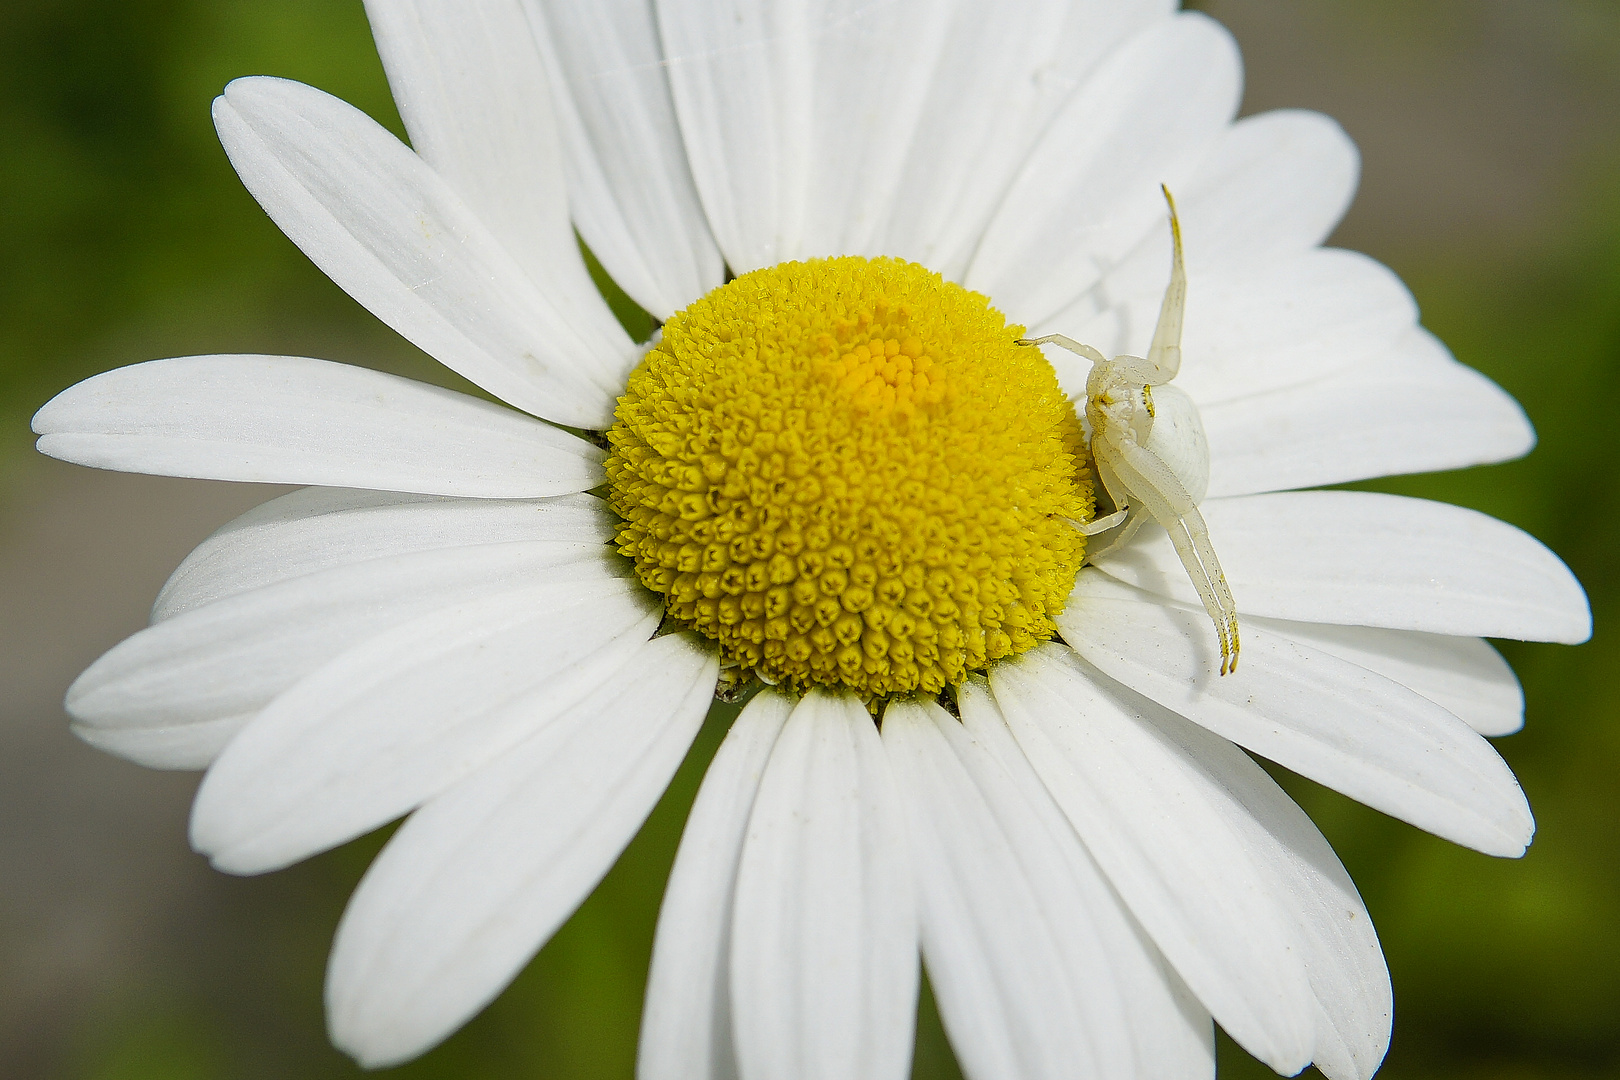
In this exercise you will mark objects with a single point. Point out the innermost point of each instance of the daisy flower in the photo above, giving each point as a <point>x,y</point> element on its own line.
<point>989,724</point>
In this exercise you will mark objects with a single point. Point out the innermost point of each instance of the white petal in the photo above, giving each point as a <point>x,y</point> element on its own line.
<point>1272,186</point>
<point>1412,410</point>
<point>1172,1032</point>
<point>1462,674</point>
<point>872,69</point>
<point>840,127</point>
<point>686,1024</point>
<point>798,117</point>
<point>1090,189</point>
<point>1004,70</point>
<point>741,74</point>
<point>235,656</point>
<point>320,528</point>
<point>395,236</point>
<point>1007,992</point>
<point>824,931</point>
<point>401,716</point>
<point>1263,308</point>
<point>1144,808</point>
<point>1291,320</point>
<point>1339,724</point>
<point>476,103</point>
<point>170,746</point>
<point>628,181</point>
<point>1369,559</point>
<point>1025,983</point>
<point>290,420</point>
<point>477,880</point>
<point>1340,950</point>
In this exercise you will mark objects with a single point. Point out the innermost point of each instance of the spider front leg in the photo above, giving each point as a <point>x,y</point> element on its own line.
<point>1151,484</point>
<point>1125,521</point>
<point>1164,355</point>
<point>1163,358</point>
<point>1063,341</point>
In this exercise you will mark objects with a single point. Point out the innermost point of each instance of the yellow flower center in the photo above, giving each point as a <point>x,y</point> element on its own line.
<point>846,472</point>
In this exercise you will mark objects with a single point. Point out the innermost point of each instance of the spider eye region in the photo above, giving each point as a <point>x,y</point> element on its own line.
<point>1118,403</point>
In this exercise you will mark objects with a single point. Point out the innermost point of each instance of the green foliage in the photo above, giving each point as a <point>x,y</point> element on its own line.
<point>126,235</point>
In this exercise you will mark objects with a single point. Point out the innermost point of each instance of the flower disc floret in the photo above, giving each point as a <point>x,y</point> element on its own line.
<point>846,472</point>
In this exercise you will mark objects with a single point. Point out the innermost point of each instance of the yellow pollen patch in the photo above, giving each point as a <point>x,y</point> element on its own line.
<point>846,472</point>
<point>883,376</point>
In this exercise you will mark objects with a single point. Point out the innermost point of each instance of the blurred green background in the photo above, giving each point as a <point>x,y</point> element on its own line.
<point>1490,132</point>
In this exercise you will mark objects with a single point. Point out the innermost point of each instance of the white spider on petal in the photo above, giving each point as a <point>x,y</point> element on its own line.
<point>1150,450</point>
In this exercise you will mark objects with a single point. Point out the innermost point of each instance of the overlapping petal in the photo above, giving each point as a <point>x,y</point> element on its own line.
<point>1173,1033</point>
<point>233,657</point>
<point>477,104</point>
<point>1464,675</point>
<point>1368,559</point>
<point>845,128</point>
<point>1147,811</point>
<point>686,1026</point>
<point>629,185</point>
<point>472,885</point>
<point>396,236</point>
<point>1413,409</point>
<point>1340,951</point>
<point>1271,186</point>
<point>824,924</point>
<point>1090,189</point>
<point>164,745</point>
<point>1003,73</point>
<point>798,117</point>
<point>318,529</point>
<point>1037,970</point>
<point>397,718</point>
<point>1340,724</point>
<point>1005,970</point>
<point>740,76</point>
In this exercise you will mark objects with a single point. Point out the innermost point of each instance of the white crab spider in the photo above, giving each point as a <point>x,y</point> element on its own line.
<point>1147,441</point>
